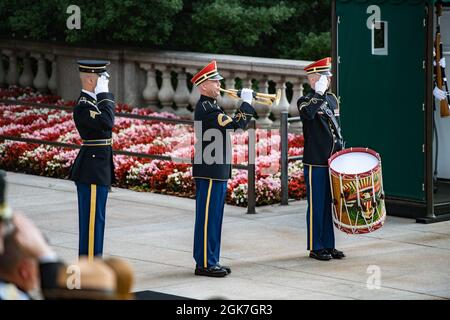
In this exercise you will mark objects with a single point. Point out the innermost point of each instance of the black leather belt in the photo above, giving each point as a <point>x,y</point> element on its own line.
<point>96,143</point>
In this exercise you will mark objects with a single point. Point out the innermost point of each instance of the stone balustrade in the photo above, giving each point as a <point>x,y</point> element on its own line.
<point>155,79</point>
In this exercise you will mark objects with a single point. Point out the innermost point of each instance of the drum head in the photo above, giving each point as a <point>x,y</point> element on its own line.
<point>354,163</point>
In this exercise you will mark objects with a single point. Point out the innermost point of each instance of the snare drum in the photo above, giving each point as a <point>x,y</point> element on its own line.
<point>357,190</point>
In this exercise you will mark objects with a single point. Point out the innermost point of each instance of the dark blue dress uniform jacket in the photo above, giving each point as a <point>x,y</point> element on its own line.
<point>320,139</point>
<point>94,121</point>
<point>211,116</point>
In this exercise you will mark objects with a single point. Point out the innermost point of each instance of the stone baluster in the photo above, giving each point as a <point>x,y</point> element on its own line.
<point>194,96</point>
<point>166,92</point>
<point>263,110</point>
<point>12,77</point>
<point>26,78</point>
<point>2,71</point>
<point>283,105</point>
<point>297,89</point>
<point>150,93</point>
<point>181,96</point>
<point>40,81</point>
<point>246,83</point>
<point>52,82</point>
<point>227,103</point>
<point>195,93</point>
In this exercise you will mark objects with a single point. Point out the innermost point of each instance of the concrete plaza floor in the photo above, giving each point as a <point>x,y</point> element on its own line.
<point>266,251</point>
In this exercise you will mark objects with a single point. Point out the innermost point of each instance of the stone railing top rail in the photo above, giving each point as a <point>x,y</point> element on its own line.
<point>190,60</point>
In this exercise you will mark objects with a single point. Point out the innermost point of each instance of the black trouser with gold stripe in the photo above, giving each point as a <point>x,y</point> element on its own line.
<point>91,218</point>
<point>319,219</point>
<point>210,202</point>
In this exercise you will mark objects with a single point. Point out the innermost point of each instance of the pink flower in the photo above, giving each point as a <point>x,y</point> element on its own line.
<point>141,136</point>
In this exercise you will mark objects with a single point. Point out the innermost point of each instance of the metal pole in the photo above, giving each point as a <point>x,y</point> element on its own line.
<point>284,158</point>
<point>117,114</point>
<point>251,168</point>
<point>429,115</point>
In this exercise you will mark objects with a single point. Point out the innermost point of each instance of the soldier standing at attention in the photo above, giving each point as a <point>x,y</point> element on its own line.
<point>322,139</point>
<point>93,169</point>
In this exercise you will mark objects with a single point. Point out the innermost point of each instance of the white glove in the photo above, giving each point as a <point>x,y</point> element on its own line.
<point>247,95</point>
<point>102,85</point>
<point>439,94</point>
<point>321,85</point>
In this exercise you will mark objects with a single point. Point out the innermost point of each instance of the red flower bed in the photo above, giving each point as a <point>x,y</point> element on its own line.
<point>142,136</point>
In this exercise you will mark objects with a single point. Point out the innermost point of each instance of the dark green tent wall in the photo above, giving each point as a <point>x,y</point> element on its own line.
<point>383,96</point>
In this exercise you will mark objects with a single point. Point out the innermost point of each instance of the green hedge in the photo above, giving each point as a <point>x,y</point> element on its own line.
<point>287,29</point>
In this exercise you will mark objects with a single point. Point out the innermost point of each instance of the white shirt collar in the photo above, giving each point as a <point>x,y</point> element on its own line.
<point>89,93</point>
<point>8,291</point>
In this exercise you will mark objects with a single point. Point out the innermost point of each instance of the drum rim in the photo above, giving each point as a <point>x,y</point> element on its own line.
<point>367,228</point>
<point>350,150</point>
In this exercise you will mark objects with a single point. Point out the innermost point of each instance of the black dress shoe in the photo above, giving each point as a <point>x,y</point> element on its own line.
<point>226,268</point>
<point>215,271</point>
<point>336,254</point>
<point>322,255</point>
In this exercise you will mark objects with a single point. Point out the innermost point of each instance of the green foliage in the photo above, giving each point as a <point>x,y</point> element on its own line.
<point>31,19</point>
<point>228,26</point>
<point>265,28</point>
<point>129,21</point>
<point>307,35</point>
<point>312,46</point>
<point>102,21</point>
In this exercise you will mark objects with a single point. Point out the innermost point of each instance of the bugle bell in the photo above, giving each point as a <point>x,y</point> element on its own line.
<point>262,98</point>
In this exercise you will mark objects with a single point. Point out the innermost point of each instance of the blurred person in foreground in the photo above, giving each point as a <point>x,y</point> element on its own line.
<point>27,262</point>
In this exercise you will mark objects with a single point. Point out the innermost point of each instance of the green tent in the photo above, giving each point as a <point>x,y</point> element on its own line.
<point>384,81</point>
